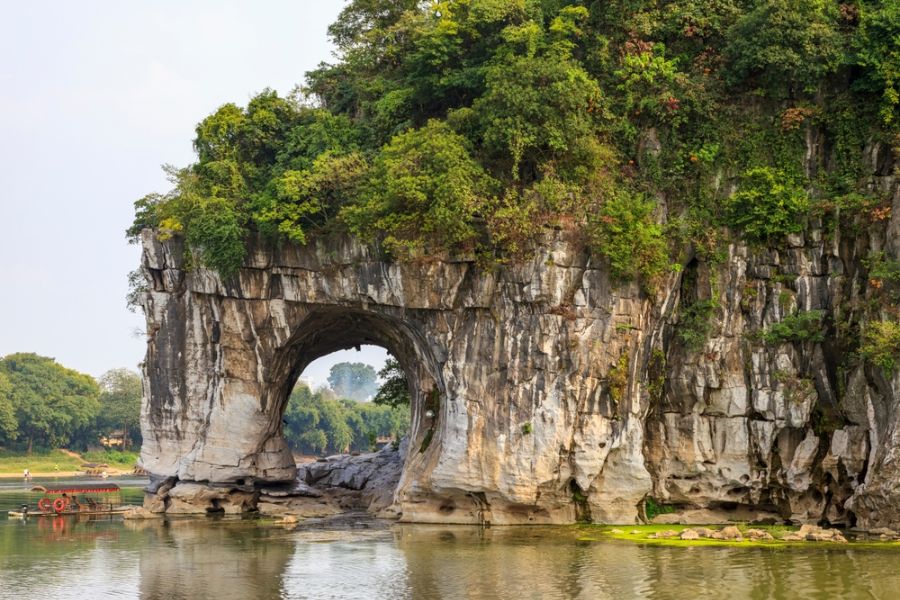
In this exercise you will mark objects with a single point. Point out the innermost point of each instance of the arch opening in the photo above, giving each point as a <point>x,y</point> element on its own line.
<point>353,401</point>
<point>326,331</point>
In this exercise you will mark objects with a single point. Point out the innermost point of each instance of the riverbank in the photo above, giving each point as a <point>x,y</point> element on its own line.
<point>18,475</point>
<point>63,474</point>
<point>64,463</point>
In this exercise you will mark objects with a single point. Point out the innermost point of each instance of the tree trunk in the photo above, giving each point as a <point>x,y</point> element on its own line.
<point>30,444</point>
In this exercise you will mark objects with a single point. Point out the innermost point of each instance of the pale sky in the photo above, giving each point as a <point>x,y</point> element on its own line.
<point>95,95</point>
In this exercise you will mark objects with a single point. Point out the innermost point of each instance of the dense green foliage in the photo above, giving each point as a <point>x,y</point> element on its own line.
<point>801,327</point>
<point>355,381</point>
<point>45,405</point>
<point>53,405</point>
<point>473,126</point>
<point>787,46</point>
<point>394,390</point>
<point>624,230</point>
<point>9,425</point>
<point>424,190</point>
<point>768,206</point>
<point>120,405</point>
<point>881,344</point>
<point>317,422</point>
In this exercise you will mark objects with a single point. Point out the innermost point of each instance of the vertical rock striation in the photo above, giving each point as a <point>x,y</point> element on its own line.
<point>557,394</point>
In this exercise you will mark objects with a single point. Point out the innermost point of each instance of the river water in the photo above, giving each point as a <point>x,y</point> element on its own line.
<point>225,558</point>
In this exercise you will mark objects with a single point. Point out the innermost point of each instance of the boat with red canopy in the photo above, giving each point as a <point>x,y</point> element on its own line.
<point>100,499</point>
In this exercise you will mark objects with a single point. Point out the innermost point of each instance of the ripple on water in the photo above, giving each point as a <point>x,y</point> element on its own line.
<point>226,559</point>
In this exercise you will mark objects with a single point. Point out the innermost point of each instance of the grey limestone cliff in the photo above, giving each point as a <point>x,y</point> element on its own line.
<point>557,393</point>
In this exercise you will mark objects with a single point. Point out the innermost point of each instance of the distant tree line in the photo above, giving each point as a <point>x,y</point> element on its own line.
<point>46,405</point>
<point>317,422</point>
<point>331,421</point>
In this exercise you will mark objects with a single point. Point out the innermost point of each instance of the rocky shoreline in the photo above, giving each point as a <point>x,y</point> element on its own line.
<point>361,487</point>
<point>329,486</point>
<point>745,534</point>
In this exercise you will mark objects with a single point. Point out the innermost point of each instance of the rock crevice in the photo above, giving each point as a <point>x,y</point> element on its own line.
<point>560,394</point>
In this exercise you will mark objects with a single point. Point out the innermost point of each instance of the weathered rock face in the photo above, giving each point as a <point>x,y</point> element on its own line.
<point>515,366</point>
<point>557,393</point>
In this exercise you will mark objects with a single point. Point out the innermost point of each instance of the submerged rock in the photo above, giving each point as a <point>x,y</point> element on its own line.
<point>759,534</point>
<point>729,533</point>
<point>139,513</point>
<point>662,535</point>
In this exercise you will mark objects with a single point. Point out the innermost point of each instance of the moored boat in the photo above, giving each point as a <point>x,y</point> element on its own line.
<point>104,499</point>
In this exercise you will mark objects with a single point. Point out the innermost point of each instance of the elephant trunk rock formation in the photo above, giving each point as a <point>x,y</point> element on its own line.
<point>543,391</point>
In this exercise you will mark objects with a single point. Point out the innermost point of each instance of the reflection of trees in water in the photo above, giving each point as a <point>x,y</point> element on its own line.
<point>202,559</point>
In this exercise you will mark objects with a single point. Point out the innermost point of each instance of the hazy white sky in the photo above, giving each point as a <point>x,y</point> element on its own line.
<point>94,96</point>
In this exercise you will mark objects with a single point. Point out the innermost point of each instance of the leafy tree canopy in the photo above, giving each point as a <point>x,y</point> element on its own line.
<point>9,426</point>
<point>120,404</point>
<point>473,126</point>
<point>395,389</point>
<point>355,381</point>
<point>316,422</point>
<point>52,404</point>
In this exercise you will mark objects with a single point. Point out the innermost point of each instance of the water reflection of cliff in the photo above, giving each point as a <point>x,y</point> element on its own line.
<point>467,562</point>
<point>524,563</point>
<point>189,559</point>
<point>225,559</point>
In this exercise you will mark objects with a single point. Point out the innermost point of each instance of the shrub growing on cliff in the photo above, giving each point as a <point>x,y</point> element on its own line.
<point>767,206</point>
<point>625,231</point>
<point>423,194</point>
<point>786,45</point>
<point>881,344</point>
<point>695,323</point>
<point>876,49</point>
<point>801,327</point>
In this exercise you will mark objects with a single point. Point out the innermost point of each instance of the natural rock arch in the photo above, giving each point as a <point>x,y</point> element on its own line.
<point>513,363</point>
<point>329,329</point>
<point>559,394</point>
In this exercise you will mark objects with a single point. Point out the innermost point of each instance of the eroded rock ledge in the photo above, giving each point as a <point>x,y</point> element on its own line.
<point>334,485</point>
<point>557,393</point>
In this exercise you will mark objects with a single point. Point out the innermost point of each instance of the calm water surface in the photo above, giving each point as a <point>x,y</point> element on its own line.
<point>248,559</point>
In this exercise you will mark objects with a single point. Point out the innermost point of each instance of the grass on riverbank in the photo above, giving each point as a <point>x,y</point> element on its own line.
<point>640,534</point>
<point>53,461</point>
